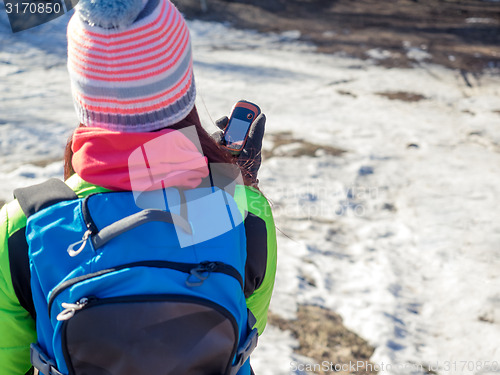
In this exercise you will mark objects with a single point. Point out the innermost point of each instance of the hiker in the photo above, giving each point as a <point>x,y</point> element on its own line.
<point>132,83</point>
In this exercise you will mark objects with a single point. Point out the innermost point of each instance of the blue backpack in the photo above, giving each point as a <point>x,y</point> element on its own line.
<point>121,290</point>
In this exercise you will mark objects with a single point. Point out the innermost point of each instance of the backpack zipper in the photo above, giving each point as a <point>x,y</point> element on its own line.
<point>87,218</point>
<point>91,229</point>
<point>195,270</point>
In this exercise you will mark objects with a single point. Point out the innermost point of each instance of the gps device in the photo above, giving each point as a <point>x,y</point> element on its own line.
<point>241,119</point>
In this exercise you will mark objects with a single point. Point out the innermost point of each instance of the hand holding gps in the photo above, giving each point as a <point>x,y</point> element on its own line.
<point>242,135</point>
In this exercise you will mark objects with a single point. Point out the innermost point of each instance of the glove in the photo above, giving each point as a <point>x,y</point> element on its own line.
<point>250,157</point>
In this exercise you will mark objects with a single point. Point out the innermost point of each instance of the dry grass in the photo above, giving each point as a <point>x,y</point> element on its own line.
<point>323,337</point>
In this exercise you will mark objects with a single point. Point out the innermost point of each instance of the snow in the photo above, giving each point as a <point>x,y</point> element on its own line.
<point>400,234</point>
<point>378,54</point>
<point>418,54</point>
<point>481,20</point>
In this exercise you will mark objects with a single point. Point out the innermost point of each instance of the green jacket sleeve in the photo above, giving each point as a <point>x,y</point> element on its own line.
<point>17,328</point>
<point>252,201</point>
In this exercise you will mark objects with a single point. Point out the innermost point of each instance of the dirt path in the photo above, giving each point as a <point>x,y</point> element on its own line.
<point>459,34</point>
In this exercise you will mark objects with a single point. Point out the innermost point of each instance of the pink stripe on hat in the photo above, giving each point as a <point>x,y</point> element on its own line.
<point>156,62</point>
<point>118,102</point>
<point>128,111</point>
<point>163,23</point>
<point>105,53</point>
<point>130,64</point>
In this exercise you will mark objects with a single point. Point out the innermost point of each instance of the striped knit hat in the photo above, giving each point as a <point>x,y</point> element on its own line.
<point>130,64</point>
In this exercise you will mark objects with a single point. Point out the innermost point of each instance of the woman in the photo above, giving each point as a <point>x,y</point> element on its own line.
<point>130,67</point>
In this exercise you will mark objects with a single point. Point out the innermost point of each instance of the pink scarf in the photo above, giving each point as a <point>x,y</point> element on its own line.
<point>137,161</point>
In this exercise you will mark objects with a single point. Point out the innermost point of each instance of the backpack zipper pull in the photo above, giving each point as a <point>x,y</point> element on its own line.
<point>71,248</point>
<point>71,308</point>
<point>201,272</point>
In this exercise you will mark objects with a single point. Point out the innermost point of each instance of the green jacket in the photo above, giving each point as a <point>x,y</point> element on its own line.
<point>17,327</point>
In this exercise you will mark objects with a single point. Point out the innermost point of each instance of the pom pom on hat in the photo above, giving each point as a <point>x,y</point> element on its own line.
<point>130,64</point>
<point>110,13</point>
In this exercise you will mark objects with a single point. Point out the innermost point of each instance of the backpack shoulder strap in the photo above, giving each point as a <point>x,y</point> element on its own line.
<point>37,197</point>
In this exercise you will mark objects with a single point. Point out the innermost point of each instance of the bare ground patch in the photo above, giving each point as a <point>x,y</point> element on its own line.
<point>323,337</point>
<point>347,93</point>
<point>44,162</point>
<point>402,95</point>
<point>458,34</point>
<point>285,144</point>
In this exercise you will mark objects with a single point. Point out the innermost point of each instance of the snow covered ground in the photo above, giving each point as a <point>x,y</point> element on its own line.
<point>400,235</point>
